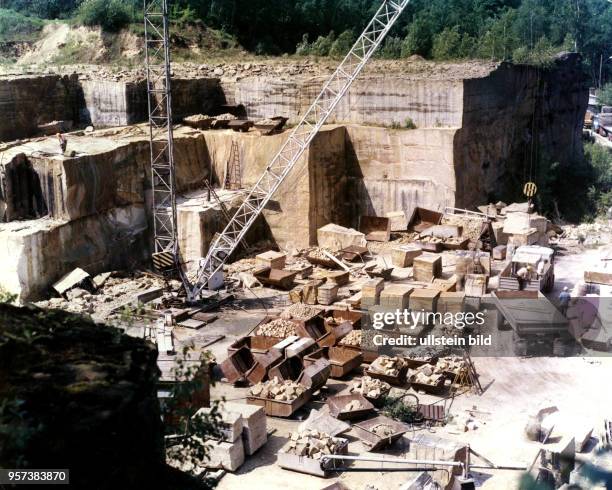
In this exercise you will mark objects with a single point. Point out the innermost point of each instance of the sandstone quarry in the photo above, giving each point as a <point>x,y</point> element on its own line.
<point>467,148</point>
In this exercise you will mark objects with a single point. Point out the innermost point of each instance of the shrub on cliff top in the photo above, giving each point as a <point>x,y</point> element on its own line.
<point>111,15</point>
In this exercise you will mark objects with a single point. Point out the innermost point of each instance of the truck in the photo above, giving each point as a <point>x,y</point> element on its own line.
<point>529,256</point>
<point>602,122</point>
<point>538,326</point>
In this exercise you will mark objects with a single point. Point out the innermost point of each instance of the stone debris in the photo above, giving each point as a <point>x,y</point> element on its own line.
<point>299,311</point>
<point>277,328</point>
<point>333,321</point>
<point>319,253</point>
<point>427,375</point>
<point>266,122</point>
<point>450,364</point>
<point>370,387</point>
<point>353,339</point>
<point>226,117</point>
<point>285,391</point>
<point>389,366</point>
<point>383,430</point>
<point>353,405</point>
<point>313,444</point>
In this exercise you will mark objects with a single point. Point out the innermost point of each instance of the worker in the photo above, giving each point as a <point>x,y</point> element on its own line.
<point>63,142</point>
<point>564,299</point>
<point>522,275</point>
<point>541,267</point>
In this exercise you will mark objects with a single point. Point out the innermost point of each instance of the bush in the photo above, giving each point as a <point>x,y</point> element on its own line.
<point>18,27</point>
<point>342,45</point>
<point>111,15</point>
<point>391,49</point>
<point>417,40</point>
<point>447,45</point>
<point>604,97</point>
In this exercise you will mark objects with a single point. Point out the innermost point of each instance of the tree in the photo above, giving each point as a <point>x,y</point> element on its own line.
<point>604,97</point>
<point>342,45</point>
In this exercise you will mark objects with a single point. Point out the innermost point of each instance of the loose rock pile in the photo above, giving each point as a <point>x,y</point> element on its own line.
<point>313,444</point>
<point>353,405</point>
<point>226,117</point>
<point>299,311</point>
<point>275,389</point>
<point>353,339</point>
<point>333,321</point>
<point>389,366</point>
<point>426,374</point>
<point>450,364</point>
<point>277,328</point>
<point>319,253</point>
<point>382,430</point>
<point>370,387</point>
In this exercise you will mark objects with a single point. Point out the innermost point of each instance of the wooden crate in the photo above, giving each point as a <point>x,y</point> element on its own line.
<point>277,408</point>
<point>427,267</point>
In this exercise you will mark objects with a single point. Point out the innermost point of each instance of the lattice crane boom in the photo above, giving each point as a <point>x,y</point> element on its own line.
<point>298,141</point>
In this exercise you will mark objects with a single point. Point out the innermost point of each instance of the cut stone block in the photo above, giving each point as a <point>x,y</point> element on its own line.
<point>370,292</point>
<point>255,430</point>
<point>427,267</point>
<point>335,237</point>
<point>232,423</point>
<point>397,220</point>
<point>227,455</point>
<point>396,296</point>
<point>404,255</point>
<point>271,260</point>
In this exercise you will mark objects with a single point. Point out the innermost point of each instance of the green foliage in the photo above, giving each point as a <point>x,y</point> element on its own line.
<point>409,123</point>
<point>391,49</point>
<point>599,159</point>
<point>15,26</point>
<point>341,46</point>
<point>403,409</point>
<point>6,297</point>
<point>604,97</point>
<point>111,15</point>
<point>418,40</point>
<point>321,47</point>
<point>451,44</point>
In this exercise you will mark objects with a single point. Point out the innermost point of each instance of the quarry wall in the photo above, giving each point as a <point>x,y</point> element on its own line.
<point>89,210</point>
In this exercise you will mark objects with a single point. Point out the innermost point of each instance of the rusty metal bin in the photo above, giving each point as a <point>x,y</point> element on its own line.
<point>315,328</point>
<point>258,344</point>
<point>304,464</point>
<point>276,277</point>
<point>238,364</point>
<point>277,408</point>
<point>399,380</point>
<point>315,375</point>
<point>289,369</point>
<point>423,218</point>
<point>341,359</point>
<point>363,430</point>
<point>375,228</point>
<point>338,403</point>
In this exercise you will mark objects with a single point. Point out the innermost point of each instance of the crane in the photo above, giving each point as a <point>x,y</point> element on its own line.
<point>210,267</point>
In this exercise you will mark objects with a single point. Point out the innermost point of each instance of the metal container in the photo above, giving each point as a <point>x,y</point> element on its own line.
<point>315,375</point>
<point>289,369</point>
<point>341,359</point>
<point>315,328</point>
<point>277,408</point>
<point>258,344</point>
<point>337,404</point>
<point>304,464</point>
<point>399,380</point>
<point>363,430</point>
<point>275,277</point>
<point>236,366</point>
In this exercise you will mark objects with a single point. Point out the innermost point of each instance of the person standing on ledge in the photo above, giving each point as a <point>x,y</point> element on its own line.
<point>63,142</point>
<point>564,299</point>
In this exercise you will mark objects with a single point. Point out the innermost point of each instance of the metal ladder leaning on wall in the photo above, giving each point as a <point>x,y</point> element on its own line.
<point>297,142</point>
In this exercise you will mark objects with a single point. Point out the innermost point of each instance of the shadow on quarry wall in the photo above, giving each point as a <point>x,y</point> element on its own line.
<point>21,193</point>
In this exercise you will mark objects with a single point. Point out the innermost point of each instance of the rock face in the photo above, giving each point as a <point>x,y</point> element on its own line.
<point>472,142</point>
<point>27,102</point>
<point>80,396</point>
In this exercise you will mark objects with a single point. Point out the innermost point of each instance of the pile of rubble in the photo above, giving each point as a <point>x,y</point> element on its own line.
<point>352,405</point>
<point>383,430</point>
<point>333,321</point>
<point>275,389</point>
<point>370,387</point>
<point>299,311</point>
<point>427,375</point>
<point>451,364</point>
<point>389,366</point>
<point>277,328</point>
<point>226,117</point>
<point>352,339</point>
<point>313,444</point>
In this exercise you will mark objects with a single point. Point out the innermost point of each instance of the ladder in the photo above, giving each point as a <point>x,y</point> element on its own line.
<point>233,169</point>
<point>298,141</point>
<point>157,63</point>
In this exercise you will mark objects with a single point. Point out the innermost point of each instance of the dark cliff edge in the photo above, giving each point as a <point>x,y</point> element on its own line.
<point>80,396</point>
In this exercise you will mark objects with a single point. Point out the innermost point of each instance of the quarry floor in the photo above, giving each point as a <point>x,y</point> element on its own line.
<point>514,389</point>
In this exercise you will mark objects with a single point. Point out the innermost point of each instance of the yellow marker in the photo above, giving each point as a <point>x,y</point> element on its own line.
<point>530,189</point>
